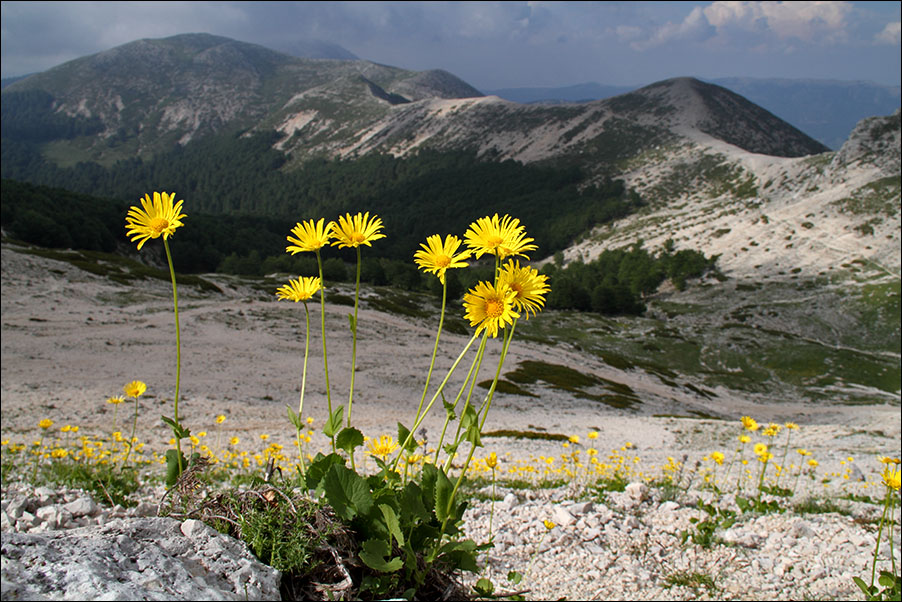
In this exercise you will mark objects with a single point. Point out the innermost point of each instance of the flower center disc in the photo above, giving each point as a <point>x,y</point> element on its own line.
<point>494,308</point>
<point>157,225</point>
<point>357,237</point>
<point>442,261</point>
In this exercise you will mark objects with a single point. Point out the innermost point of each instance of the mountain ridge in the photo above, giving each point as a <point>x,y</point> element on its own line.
<point>700,153</point>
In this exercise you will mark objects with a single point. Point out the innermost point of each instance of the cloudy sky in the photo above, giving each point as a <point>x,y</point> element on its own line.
<point>500,44</point>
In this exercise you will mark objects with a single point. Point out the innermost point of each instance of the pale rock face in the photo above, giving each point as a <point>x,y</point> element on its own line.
<point>135,559</point>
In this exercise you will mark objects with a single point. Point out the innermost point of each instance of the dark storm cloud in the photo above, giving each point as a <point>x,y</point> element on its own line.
<point>498,44</point>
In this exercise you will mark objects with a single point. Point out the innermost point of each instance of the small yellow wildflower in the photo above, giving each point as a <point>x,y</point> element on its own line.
<point>492,460</point>
<point>135,389</point>
<point>356,230</point>
<point>791,426</point>
<point>382,447</point>
<point>717,457</point>
<point>437,257</point>
<point>220,419</point>
<point>549,524</point>
<point>593,435</point>
<point>760,449</point>
<point>891,477</point>
<point>574,439</point>
<point>311,236</point>
<point>234,441</point>
<point>159,217</point>
<point>116,399</point>
<point>45,424</point>
<point>749,423</point>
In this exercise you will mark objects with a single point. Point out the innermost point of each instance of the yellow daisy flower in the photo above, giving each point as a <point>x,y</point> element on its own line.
<point>135,389</point>
<point>220,419</point>
<point>529,286</point>
<point>749,423</point>
<point>157,217</point>
<point>718,457</point>
<point>492,460</point>
<point>45,424</point>
<point>311,236</point>
<point>356,230</point>
<point>301,289</point>
<point>382,447</point>
<point>502,237</point>
<point>891,477</point>
<point>549,524</point>
<point>117,399</point>
<point>490,308</point>
<point>437,256</point>
<point>760,449</point>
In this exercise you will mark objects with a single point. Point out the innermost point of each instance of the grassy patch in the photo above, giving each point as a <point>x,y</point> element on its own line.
<point>691,579</point>
<point>512,434</point>
<point>118,268</point>
<point>567,379</point>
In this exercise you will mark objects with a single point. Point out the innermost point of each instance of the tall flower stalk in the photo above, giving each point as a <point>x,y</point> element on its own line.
<point>155,218</point>
<point>437,257</point>
<point>352,232</point>
<point>134,389</point>
<point>303,290</point>
<point>311,236</point>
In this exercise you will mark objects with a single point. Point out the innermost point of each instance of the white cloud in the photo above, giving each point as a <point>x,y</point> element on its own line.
<point>808,21</point>
<point>891,34</point>
<point>694,27</point>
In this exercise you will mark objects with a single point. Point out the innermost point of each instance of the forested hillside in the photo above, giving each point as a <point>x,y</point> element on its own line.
<point>427,193</point>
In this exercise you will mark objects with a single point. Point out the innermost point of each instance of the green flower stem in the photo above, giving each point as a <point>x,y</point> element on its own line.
<point>354,341</point>
<point>432,401</point>
<point>783,461</point>
<point>491,394</point>
<point>322,317</point>
<point>303,386</point>
<point>438,334</point>
<point>178,352</point>
<point>131,440</point>
<point>473,366</point>
<point>761,478</point>
<point>471,379</point>
<point>886,508</point>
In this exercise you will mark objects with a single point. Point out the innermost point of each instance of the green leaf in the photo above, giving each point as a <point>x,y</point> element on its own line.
<point>391,521</point>
<point>320,466</point>
<point>349,439</point>
<point>514,577</point>
<point>443,490</point>
<point>886,579</point>
<point>449,409</point>
<point>178,430</point>
<point>484,587</point>
<point>374,554</point>
<point>172,466</point>
<point>347,492</point>
<point>294,418</point>
<point>403,434</point>
<point>333,423</point>
<point>411,503</point>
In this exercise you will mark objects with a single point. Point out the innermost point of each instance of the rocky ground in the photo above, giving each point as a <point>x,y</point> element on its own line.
<point>71,339</point>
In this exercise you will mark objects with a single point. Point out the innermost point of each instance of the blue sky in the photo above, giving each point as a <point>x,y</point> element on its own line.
<point>500,44</point>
